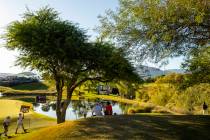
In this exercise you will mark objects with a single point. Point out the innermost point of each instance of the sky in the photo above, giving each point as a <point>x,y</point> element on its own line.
<point>83,12</point>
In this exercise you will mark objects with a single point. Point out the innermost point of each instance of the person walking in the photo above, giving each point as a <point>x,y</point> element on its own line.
<point>20,122</point>
<point>205,108</point>
<point>6,124</point>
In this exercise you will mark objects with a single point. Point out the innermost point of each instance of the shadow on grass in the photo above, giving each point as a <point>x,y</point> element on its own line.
<point>143,127</point>
<point>31,86</point>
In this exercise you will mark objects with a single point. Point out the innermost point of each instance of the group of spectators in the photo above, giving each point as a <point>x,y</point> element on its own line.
<point>99,109</point>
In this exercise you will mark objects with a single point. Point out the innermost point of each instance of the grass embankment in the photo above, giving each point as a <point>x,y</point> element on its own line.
<point>128,127</point>
<point>12,108</point>
<point>29,89</point>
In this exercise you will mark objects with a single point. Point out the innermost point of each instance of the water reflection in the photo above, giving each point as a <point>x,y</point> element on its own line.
<point>77,108</point>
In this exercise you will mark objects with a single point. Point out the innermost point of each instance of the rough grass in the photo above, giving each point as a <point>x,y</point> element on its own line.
<point>148,127</point>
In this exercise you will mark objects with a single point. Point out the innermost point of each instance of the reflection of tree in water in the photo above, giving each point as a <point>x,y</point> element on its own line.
<point>36,104</point>
<point>79,106</point>
<point>53,106</point>
<point>45,107</point>
<point>124,107</point>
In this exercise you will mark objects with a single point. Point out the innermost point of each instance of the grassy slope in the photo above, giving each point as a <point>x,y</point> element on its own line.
<point>128,127</point>
<point>12,108</point>
<point>29,88</point>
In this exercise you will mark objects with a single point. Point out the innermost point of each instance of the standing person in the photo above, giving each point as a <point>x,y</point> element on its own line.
<point>108,108</point>
<point>97,110</point>
<point>205,109</point>
<point>6,124</point>
<point>20,122</point>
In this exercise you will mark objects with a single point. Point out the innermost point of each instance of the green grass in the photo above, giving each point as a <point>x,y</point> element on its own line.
<point>31,86</point>
<point>146,127</point>
<point>29,89</point>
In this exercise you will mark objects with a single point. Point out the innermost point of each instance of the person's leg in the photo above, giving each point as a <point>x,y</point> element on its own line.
<point>18,125</point>
<point>206,111</point>
<point>23,128</point>
<point>203,112</point>
<point>5,130</point>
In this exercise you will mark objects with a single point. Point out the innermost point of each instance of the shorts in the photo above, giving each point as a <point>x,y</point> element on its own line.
<point>19,125</point>
<point>6,127</point>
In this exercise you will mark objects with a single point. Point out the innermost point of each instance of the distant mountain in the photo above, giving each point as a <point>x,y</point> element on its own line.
<point>146,71</point>
<point>181,71</point>
<point>8,79</point>
<point>5,74</point>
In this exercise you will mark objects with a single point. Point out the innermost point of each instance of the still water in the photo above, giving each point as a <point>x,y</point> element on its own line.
<point>75,108</point>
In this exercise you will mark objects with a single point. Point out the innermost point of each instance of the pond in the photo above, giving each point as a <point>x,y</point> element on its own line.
<point>75,108</point>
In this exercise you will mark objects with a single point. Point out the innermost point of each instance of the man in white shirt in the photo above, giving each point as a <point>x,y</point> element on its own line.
<point>20,122</point>
<point>6,124</point>
<point>97,110</point>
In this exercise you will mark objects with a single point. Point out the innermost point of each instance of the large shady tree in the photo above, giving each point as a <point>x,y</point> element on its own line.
<point>61,49</point>
<point>158,28</point>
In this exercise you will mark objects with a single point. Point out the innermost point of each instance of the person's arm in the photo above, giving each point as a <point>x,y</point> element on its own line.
<point>23,115</point>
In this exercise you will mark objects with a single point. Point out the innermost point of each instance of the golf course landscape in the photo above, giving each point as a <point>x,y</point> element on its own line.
<point>105,70</point>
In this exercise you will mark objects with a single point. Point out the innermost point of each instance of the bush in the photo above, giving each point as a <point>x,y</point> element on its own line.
<point>193,97</point>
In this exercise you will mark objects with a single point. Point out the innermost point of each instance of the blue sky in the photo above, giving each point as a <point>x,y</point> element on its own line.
<point>84,12</point>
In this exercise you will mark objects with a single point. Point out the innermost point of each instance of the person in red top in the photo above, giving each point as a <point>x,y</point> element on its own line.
<point>108,108</point>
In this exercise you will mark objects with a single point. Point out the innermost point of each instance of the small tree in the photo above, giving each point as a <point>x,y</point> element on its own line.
<point>60,49</point>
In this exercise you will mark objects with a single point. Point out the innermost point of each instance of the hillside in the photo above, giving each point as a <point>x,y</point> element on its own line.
<point>8,79</point>
<point>146,71</point>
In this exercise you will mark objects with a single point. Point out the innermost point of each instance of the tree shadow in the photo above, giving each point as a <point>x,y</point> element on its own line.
<point>143,127</point>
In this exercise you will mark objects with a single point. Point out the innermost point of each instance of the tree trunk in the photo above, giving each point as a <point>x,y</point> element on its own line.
<point>62,106</point>
<point>59,88</point>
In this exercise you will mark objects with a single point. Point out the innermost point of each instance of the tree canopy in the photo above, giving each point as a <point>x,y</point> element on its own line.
<point>158,29</point>
<point>61,49</point>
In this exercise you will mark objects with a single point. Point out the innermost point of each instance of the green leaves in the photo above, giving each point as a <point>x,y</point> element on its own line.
<point>60,48</point>
<point>159,29</point>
